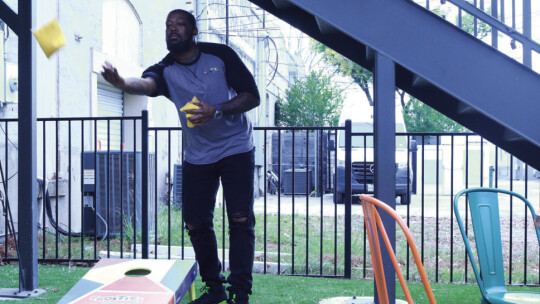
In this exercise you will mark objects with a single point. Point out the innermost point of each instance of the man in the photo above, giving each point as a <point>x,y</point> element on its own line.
<point>219,146</point>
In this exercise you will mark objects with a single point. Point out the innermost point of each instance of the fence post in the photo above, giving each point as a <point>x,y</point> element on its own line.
<point>348,200</point>
<point>144,183</point>
<point>491,172</point>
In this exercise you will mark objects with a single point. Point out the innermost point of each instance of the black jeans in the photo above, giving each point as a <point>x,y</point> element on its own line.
<point>199,189</point>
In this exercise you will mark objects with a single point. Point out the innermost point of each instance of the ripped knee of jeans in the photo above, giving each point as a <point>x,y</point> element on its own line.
<point>241,221</point>
<point>192,230</point>
<point>238,217</point>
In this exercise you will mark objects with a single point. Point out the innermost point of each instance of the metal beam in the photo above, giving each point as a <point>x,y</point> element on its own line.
<point>27,208</point>
<point>282,3</point>
<point>9,17</point>
<point>384,127</point>
<point>325,27</point>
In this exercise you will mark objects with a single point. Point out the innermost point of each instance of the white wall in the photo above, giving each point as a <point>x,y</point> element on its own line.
<point>67,87</point>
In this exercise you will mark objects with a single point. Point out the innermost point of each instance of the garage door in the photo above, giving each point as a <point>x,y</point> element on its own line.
<point>110,104</point>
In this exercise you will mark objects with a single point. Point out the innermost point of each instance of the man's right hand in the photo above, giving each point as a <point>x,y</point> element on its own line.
<point>111,75</point>
<point>131,85</point>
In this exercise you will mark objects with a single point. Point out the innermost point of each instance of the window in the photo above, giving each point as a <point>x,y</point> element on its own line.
<point>121,31</point>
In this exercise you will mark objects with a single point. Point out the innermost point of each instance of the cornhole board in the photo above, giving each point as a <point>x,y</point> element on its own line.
<point>129,281</point>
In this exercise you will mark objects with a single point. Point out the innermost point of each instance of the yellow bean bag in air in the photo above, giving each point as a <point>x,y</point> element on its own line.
<point>50,37</point>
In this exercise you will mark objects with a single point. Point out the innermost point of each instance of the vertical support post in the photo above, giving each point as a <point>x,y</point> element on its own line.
<point>27,161</point>
<point>385,146</point>
<point>144,184</point>
<point>527,28</point>
<point>347,202</point>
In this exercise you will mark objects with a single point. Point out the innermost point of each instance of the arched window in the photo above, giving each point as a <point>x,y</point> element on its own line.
<point>121,31</point>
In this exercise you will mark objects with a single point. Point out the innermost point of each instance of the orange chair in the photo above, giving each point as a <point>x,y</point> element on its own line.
<point>373,227</point>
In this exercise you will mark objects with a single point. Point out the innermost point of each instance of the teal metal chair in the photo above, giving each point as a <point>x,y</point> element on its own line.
<point>484,208</point>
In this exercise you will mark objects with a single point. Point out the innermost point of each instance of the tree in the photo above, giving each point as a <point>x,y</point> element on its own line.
<point>314,101</point>
<point>420,117</point>
<point>346,67</point>
<point>469,24</point>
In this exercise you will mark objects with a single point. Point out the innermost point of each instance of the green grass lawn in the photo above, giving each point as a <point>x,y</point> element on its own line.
<point>57,280</point>
<point>317,244</point>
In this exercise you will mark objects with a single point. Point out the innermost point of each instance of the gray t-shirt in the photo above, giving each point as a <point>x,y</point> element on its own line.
<point>216,76</point>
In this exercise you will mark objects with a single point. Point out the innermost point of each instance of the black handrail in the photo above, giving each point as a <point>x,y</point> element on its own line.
<point>494,22</point>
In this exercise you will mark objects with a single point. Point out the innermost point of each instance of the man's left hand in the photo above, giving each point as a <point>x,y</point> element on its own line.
<point>204,113</point>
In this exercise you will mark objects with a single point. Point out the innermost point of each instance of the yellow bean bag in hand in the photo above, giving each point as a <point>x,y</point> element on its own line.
<point>190,106</point>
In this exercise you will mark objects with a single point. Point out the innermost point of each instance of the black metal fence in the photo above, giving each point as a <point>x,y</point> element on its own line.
<point>95,204</point>
<point>88,189</point>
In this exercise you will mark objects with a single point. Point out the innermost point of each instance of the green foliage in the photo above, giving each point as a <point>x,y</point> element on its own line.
<point>468,22</point>
<point>420,117</point>
<point>315,101</point>
<point>468,25</point>
<point>346,67</point>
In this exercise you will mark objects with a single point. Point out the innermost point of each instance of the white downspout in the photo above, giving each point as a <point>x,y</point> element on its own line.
<point>5,35</point>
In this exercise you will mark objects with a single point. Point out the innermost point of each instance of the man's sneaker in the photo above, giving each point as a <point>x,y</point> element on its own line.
<point>238,297</point>
<point>213,293</point>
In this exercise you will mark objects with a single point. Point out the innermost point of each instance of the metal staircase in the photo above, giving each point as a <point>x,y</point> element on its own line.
<point>436,62</point>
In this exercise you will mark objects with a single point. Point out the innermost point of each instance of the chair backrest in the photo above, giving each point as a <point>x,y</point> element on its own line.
<point>374,226</point>
<point>485,217</point>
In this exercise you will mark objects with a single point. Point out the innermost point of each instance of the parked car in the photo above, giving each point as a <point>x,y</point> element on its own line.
<point>363,165</point>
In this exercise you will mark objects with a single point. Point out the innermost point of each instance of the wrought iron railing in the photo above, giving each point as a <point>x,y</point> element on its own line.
<point>96,207</point>
<point>503,24</point>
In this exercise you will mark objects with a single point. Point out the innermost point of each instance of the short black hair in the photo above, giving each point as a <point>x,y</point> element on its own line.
<point>190,16</point>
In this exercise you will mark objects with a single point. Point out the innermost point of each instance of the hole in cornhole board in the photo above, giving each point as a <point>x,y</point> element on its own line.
<point>138,272</point>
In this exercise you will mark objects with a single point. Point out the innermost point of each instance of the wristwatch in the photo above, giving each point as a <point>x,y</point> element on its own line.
<point>218,113</point>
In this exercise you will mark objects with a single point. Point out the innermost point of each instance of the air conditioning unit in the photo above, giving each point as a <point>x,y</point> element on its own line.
<point>309,152</point>
<point>113,188</point>
<point>301,181</point>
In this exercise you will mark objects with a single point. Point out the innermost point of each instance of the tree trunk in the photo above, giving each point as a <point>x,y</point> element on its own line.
<point>365,88</point>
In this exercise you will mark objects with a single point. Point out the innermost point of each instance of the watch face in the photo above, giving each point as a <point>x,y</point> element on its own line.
<point>218,114</point>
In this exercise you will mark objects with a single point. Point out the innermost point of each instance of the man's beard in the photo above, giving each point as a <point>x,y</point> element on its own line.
<point>178,46</point>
